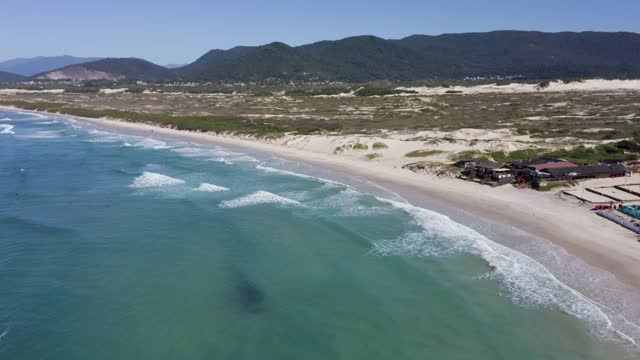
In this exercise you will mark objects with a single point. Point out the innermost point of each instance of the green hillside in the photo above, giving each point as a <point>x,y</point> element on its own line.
<point>366,58</point>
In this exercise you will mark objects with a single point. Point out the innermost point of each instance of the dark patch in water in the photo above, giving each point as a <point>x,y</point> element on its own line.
<point>27,225</point>
<point>248,295</point>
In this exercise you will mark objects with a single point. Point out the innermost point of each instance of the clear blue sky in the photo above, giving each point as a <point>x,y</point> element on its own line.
<point>179,31</point>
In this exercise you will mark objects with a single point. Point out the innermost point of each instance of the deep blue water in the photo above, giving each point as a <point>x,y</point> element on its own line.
<point>116,246</point>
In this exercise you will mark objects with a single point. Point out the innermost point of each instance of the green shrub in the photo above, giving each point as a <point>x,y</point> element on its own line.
<point>373,156</point>
<point>469,155</point>
<point>379,91</point>
<point>379,145</point>
<point>423,153</point>
<point>202,123</point>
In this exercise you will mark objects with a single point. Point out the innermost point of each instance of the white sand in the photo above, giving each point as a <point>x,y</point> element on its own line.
<point>113,91</point>
<point>554,86</point>
<point>597,241</point>
<point>24,91</point>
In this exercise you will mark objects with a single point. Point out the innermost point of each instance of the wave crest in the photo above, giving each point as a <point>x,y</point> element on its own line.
<point>6,129</point>
<point>149,179</point>
<point>527,280</point>
<point>210,188</point>
<point>258,198</point>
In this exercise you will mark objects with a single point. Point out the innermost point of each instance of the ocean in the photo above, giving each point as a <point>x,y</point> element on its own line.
<point>120,246</point>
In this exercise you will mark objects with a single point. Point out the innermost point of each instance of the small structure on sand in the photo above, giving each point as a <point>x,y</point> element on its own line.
<point>488,172</point>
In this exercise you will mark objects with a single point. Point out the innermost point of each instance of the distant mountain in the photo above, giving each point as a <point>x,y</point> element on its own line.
<point>40,64</point>
<point>6,77</point>
<point>111,69</point>
<point>366,58</point>
<point>527,54</point>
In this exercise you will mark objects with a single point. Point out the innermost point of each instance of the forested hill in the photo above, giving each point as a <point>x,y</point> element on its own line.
<point>530,55</point>
<point>365,58</point>
<point>10,77</point>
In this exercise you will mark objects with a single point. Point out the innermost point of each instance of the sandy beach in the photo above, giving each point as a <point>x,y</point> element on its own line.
<point>598,242</point>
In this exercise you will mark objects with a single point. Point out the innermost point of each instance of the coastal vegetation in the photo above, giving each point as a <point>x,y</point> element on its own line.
<point>473,126</point>
<point>215,124</point>
<point>423,153</point>
<point>353,147</point>
<point>604,153</point>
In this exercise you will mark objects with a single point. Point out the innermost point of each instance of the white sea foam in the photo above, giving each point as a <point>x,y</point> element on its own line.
<point>43,135</point>
<point>210,188</point>
<point>47,122</point>
<point>242,158</point>
<point>349,202</point>
<point>271,170</point>
<point>149,179</point>
<point>222,160</point>
<point>4,333</point>
<point>258,198</point>
<point>200,152</point>
<point>528,281</point>
<point>100,136</point>
<point>6,119</point>
<point>104,136</point>
<point>149,143</point>
<point>33,115</point>
<point>6,129</point>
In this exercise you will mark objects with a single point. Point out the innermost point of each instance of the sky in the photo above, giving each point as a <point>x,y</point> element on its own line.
<point>179,31</point>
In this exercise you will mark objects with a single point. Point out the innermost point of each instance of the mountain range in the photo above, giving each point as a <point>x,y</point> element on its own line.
<point>526,54</point>
<point>40,64</point>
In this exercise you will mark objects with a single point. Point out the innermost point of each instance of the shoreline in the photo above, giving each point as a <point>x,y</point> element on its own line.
<point>596,241</point>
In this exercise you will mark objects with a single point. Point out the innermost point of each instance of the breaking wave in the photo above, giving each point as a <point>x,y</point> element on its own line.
<point>100,136</point>
<point>200,152</point>
<point>149,180</point>
<point>528,281</point>
<point>104,137</point>
<point>271,170</point>
<point>148,143</point>
<point>48,122</point>
<point>258,198</point>
<point>43,135</point>
<point>32,115</point>
<point>6,129</point>
<point>210,188</point>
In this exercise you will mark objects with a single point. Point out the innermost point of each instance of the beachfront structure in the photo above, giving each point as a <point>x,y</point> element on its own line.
<point>538,172</point>
<point>580,172</point>
<point>489,172</point>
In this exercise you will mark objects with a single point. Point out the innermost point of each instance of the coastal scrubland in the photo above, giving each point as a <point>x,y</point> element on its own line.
<point>440,124</point>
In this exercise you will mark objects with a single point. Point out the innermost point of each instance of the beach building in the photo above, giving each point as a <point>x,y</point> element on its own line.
<point>581,172</point>
<point>489,172</point>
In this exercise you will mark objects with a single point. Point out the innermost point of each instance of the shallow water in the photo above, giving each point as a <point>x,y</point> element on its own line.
<point>120,246</point>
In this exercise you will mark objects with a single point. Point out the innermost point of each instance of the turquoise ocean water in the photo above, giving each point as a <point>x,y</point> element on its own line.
<point>116,246</point>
